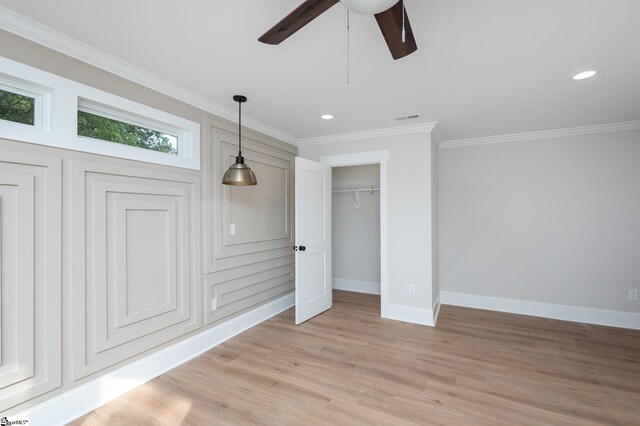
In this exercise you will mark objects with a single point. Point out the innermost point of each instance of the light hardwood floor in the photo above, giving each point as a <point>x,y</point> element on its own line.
<point>350,367</point>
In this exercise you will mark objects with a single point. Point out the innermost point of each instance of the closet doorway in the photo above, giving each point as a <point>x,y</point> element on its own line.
<point>359,222</point>
<point>356,228</point>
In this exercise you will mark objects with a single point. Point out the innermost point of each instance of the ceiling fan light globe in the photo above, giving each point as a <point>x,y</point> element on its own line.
<point>368,7</point>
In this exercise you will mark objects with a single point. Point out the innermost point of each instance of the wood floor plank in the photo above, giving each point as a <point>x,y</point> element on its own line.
<point>348,366</point>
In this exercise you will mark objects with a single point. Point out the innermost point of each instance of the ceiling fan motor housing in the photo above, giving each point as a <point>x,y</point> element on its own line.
<point>368,7</point>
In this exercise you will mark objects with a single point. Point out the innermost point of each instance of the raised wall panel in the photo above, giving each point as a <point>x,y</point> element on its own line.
<point>241,288</point>
<point>144,233</point>
<point>30,275</point>
<point>252,296</point>
<point>254,263</point>
<point>135,277</point>
<point>261,215</point>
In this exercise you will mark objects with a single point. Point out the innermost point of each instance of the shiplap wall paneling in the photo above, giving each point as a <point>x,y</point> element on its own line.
<point>241,288</point>
<point>248,230</point>
<point>136,280</point>
<point>30,275</point>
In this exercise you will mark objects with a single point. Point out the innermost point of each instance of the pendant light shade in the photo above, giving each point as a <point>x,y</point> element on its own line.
<point>239,174</point>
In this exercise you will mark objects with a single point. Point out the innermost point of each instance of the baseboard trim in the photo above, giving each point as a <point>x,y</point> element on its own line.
<point>367,287</point>
<point>545,310</point>
<point>85,398</point>
<point>408,314</point>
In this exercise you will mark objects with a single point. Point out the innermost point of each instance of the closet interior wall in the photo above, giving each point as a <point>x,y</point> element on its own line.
<point>356,228</point>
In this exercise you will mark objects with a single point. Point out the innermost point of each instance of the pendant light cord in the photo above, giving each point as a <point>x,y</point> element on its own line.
<point>239,129</point>
<point>348,47</point>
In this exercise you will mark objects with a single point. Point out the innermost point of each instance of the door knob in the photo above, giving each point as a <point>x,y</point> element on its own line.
<point>302,248</point>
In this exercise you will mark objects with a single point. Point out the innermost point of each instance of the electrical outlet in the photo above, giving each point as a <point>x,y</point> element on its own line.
<point>232,229</point>
<point>633,294</point>
<point>214,304</point>
<point>412,289</point>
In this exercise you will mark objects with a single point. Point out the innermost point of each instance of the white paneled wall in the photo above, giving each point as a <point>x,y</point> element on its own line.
<point>253,262</point>
<point>135,245</point>
<point>105,261</point>
<point>30,234</point>
<point>130,257</point>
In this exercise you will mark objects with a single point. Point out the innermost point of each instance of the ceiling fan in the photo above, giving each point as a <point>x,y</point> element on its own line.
<point>388,13</point>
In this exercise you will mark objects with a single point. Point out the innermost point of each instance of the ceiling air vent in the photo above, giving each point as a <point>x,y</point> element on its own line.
<point>408,117</point>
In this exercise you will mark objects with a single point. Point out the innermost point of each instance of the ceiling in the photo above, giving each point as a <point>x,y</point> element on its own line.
<point>482,68</point>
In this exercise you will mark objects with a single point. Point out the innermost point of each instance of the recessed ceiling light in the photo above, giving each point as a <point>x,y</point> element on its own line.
<point>584,74</point>
<point>327,117</point>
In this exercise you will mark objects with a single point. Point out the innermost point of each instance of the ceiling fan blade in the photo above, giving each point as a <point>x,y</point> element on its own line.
<point>390,23</point>
<point>301,16</point>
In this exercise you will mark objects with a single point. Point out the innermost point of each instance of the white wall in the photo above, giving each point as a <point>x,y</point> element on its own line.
<point>356,231</point>
<point>554,221</point>
<point>409,217</point>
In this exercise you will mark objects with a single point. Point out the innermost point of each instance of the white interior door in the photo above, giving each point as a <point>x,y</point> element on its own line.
<point>313,238</point>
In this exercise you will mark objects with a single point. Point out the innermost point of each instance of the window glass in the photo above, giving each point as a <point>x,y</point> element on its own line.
<point>17,108</point>
<point>109,129</point>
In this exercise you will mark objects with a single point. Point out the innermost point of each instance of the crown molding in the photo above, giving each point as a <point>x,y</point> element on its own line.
<point>36,32</point>
<point>544,134</point>
<point>55,40</point>
<point>437,137</point>
<point>368,134</point>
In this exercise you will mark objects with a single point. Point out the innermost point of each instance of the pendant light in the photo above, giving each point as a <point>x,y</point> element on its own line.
<point>239,174</point>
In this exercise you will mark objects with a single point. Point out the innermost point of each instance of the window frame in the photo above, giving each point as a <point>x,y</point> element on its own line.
<point>37,103</point>
<point>40,95</point>
<point>127,118</point>
<point>57,103</point>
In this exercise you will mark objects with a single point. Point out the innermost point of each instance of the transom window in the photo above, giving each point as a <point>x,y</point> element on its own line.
<point>17,107</point>
<point>112,130</point>
<point>42,108</point>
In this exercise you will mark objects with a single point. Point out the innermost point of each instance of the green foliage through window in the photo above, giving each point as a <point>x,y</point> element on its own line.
<point>108,129</point>
<point>17,108</point>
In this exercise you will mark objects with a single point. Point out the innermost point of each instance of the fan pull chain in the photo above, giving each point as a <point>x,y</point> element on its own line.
<point>348,48</point>
<point>404,34</point>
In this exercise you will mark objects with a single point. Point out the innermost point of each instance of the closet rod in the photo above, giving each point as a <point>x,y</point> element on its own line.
<point>357,190</point>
